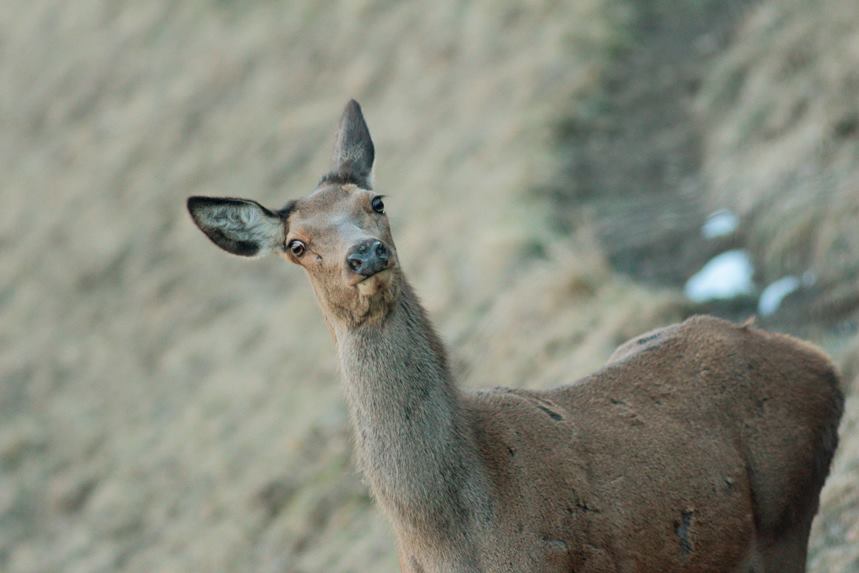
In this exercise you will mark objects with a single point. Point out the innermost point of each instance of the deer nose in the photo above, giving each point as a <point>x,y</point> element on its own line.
<point>368,257</point>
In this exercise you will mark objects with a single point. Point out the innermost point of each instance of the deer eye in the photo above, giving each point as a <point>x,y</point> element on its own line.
<point>377,204</point>
<point>296,247</point>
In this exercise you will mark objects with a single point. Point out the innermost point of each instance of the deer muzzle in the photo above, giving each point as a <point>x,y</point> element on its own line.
<point>368,258</point>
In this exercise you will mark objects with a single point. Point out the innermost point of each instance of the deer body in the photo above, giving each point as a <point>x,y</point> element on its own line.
<point>699,449</point>
<point>701,446</point>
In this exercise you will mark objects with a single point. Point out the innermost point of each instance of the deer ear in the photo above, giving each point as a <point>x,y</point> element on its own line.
<point>239,226</point>
<point>353,150</point>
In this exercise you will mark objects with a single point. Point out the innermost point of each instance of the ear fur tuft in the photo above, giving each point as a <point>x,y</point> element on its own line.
<point>239,226</point>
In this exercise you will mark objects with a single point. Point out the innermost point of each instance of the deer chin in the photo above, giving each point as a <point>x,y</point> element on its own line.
<point>377,296</point>
<point>376,283</point>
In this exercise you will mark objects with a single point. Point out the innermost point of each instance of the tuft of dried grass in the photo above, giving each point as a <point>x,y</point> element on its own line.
<point>835,532</point>
<point>781,143</point>
<point>561,320</point>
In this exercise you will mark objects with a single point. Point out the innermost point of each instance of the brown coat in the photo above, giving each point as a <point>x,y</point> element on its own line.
<point>701,446</point>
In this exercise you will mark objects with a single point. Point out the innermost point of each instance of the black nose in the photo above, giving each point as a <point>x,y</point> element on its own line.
<point>368,257</point>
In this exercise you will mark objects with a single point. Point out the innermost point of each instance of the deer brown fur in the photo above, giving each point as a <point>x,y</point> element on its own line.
<point>701,446</point>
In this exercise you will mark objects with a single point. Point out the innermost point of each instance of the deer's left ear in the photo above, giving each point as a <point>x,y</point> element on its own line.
<point>239,226</point>
<point>353,151</point>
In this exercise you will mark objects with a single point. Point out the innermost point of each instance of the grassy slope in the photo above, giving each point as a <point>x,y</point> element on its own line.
<point>781,139</point>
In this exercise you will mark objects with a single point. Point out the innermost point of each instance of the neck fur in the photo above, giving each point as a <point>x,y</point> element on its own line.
<point>413,443</point>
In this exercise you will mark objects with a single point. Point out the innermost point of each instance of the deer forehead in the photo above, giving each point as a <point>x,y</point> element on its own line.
<point>333,214</point>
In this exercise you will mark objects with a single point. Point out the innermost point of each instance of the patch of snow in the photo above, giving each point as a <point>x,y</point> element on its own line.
<point>725,276</point>
<point>775,293</point>
<point>720,223</point>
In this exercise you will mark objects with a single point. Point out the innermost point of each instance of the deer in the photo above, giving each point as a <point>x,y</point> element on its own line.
<point>699,447</point>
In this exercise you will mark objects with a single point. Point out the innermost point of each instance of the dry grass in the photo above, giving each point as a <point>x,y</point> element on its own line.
<point>835,535</point>
<point>782,143</point>
<point>561,321</point>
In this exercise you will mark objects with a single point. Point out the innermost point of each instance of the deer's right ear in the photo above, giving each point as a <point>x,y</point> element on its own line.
<point>239,226</point>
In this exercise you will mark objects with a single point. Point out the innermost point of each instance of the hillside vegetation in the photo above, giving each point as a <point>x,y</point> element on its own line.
<point>164,407</point>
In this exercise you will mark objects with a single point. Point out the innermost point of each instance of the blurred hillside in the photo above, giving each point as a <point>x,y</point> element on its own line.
<point>548,166</point>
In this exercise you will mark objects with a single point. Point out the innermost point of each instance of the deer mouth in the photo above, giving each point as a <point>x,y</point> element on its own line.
<point>374,283</point>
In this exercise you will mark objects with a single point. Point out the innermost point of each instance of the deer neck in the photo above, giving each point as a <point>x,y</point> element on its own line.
<point>413,442</point>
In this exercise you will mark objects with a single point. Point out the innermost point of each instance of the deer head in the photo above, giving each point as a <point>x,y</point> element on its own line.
<point>339,233</point>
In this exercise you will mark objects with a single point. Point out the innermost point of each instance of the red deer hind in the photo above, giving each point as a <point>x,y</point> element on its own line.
<point>701,446</point>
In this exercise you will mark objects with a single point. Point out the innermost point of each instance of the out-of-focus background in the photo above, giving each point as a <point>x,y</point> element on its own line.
<point>561,176</point>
